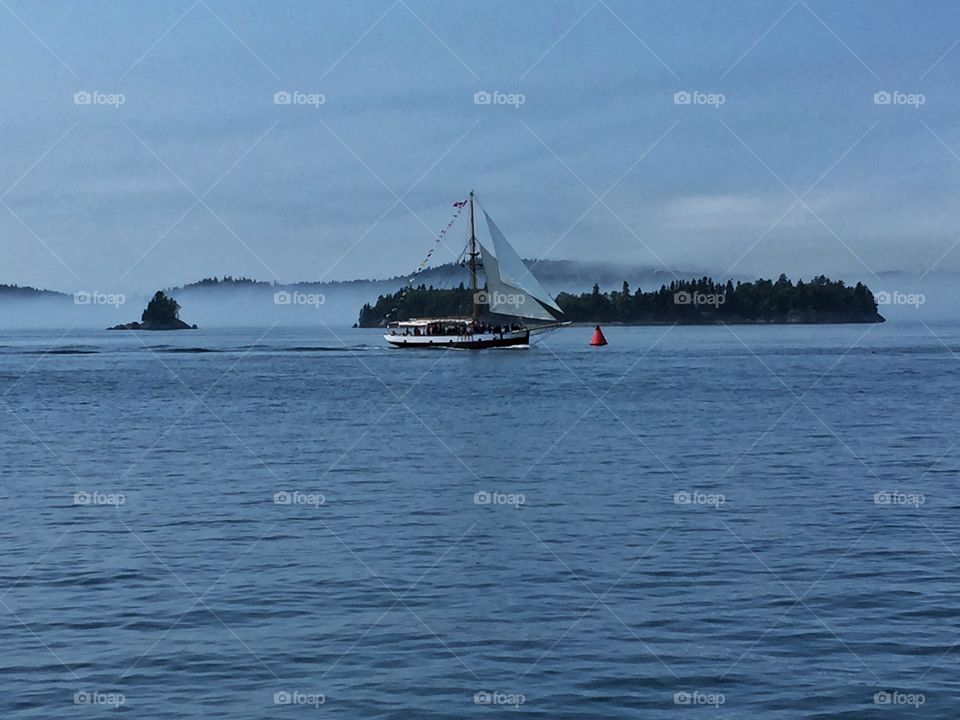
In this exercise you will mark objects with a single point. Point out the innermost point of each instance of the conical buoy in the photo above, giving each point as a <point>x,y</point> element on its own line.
<point>598,338</point>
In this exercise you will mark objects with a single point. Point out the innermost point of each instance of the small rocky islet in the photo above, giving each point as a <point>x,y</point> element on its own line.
<point>161,313</point>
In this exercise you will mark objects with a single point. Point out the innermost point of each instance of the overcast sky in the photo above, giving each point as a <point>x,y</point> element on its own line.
<point>178,163</point>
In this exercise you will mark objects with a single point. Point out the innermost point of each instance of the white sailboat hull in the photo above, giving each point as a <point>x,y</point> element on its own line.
<point>473,341</point>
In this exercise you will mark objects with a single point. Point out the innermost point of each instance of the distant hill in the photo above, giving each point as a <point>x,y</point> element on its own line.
<point>556,275</point>
<point>18,292</point>
<point>559,275</point>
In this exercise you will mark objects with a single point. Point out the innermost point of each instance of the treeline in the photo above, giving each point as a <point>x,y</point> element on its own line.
<point>697,301</point>
<point>25,291</point>
<point>703,301</point>
<point>420,301</point>
<point>227,280</point>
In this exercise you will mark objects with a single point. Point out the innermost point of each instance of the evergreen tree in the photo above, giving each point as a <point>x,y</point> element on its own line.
<point>161,309</point>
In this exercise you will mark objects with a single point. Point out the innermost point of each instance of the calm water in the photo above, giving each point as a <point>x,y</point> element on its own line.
<point>683,524</point>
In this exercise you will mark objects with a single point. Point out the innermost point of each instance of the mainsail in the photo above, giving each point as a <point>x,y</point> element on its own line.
<point>505,299</point>
<point>511,288</point>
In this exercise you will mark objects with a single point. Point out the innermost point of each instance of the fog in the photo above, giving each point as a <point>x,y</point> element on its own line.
<point>902,297</point>
<point>331,304</point>
<point>260,306</point>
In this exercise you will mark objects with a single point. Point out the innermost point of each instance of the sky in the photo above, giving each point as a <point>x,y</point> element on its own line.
<point>144,144</point>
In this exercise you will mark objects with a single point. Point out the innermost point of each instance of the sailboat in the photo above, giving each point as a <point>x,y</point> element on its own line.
<point>511,307</point>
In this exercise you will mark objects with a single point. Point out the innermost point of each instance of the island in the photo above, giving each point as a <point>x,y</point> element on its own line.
<point>25,292</point>
<point>162,313</point>
<point>699,301</point>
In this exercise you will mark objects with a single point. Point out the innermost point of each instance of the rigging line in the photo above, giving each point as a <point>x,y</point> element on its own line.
<point>460,262</point>
<point>446,279</point>
<point>423,263</point>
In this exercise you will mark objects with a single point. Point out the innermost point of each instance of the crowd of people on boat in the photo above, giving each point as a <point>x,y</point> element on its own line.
<point>484,328</point>
<point>476,327</point>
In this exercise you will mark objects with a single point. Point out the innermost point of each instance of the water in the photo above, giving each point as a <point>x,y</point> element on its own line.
<point>686,516</point>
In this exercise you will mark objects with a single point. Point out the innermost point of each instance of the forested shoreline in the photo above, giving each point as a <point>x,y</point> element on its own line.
<point>698,301</point>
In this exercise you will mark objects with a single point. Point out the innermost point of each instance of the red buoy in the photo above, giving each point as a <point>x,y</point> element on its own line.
<point>598,338</point>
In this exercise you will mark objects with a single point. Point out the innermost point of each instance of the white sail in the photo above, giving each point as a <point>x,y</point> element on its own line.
<point>513,272</point>
<point>505,299</point>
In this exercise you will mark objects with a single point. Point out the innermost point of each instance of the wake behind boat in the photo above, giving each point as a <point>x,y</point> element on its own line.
<point>511,298</point>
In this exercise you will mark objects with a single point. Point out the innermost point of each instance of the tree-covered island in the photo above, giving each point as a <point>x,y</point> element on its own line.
<point>692,302</point>
<point>161,313</point>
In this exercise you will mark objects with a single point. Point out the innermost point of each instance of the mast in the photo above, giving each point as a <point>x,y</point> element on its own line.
<point>473,260</point>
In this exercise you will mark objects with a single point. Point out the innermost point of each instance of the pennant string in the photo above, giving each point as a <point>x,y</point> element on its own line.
<point>423,263</point>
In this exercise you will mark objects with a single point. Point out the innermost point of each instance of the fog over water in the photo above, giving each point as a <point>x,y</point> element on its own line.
<point>900,296</point>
